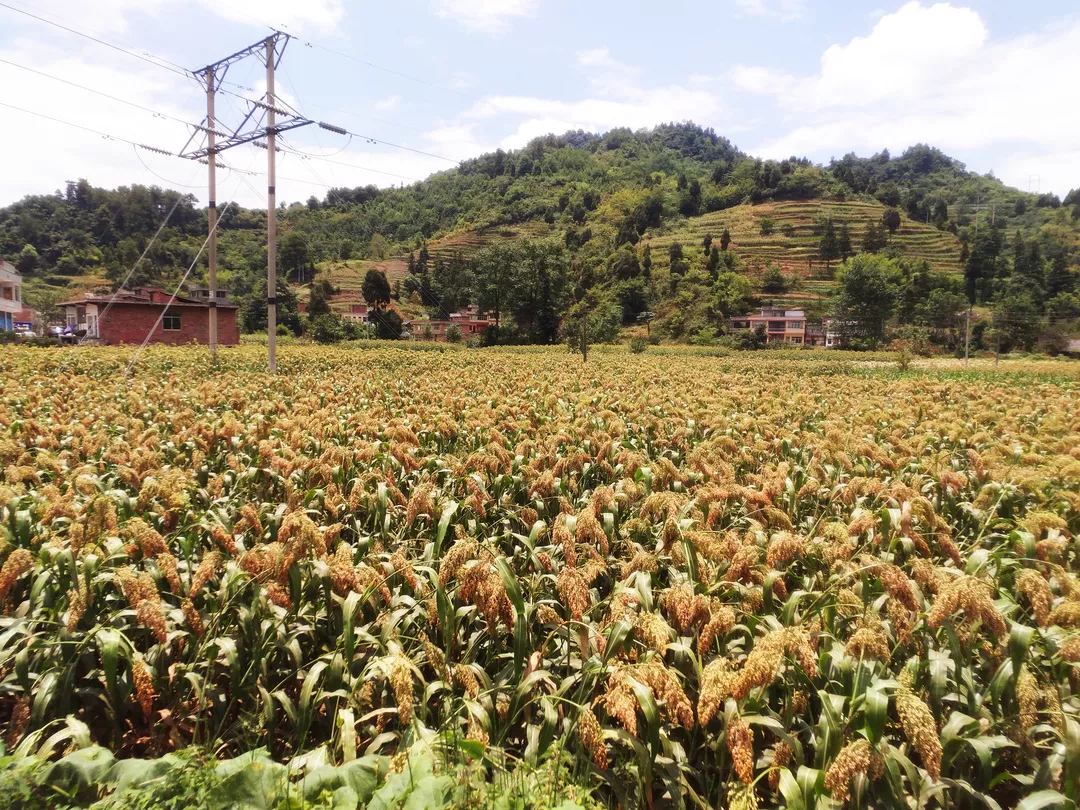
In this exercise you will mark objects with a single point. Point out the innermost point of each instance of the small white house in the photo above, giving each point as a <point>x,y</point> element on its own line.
<point>11,303</point>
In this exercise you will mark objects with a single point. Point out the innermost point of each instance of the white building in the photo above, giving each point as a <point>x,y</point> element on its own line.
<point>11,303</point>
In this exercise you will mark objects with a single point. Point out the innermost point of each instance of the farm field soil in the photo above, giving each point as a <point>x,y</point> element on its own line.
<point>738,581</point>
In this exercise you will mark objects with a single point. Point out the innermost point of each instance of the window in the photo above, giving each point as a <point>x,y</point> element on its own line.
<point>794,324</point>
<point>796,340</point>
<point>171,323</point>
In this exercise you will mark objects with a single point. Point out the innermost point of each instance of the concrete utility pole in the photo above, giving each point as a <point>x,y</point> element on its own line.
<point>279,118</point>
<point>967,336</point>
<point>211,206</point>
<point>271,210</point>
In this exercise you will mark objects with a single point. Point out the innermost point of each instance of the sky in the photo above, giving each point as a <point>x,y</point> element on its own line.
<point>990,82</point>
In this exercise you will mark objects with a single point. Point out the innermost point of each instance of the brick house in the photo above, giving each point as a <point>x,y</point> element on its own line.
<point>133,314</point>
<point>781,325</point>
<point>470,321</point>
<point>11,304</point>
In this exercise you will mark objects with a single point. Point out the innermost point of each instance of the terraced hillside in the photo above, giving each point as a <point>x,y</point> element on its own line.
<point>794,242</point>
<point>467,243</point>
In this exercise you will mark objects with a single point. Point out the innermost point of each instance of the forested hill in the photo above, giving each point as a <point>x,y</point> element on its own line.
<point>674,221</point>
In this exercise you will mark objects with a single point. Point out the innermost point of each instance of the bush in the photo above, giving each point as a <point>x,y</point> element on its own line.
<point>453,333</point>
<point>638,345</point>
<point>327,329</point>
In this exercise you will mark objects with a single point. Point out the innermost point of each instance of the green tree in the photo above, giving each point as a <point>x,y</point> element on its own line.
<point>713,264</point>
<point>1059,279</point>
<point>843,241</point>
<point>387,324</point>
<point>27,260</point>
<point>453,333</point>
<point>867,296</point>
<point>293,255</point>
<point>891,219</point>
<point>646,262</point>
<point>725,240</point>
<point>829,248</point>
<point>732,294</point>
<point>767,226</point>
<point>379,247</point>
<point>874,237</point>
<point>1016,320</point>
<point>376,289</point>
<point>707,243</point>
<point>318,304</point>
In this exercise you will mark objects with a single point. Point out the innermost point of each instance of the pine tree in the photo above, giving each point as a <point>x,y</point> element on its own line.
<point>830,245</point>
<point>844,242</point>
<point>725,239</point>
<point>707,243</point>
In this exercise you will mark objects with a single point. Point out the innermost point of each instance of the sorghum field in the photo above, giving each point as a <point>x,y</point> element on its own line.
<point>404,579</point>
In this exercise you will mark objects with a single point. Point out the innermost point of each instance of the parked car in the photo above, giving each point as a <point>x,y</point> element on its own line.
<point>26,333</point>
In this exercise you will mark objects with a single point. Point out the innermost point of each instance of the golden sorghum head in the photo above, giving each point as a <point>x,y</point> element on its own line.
<point>1067,614</point>
<point>717,680</point>
<point>151,615</point>
<point>78,600</point>
<point>463,677</point>
<point>574,591</point>
<point>619,702</point>
<point>404,568</point>
<point>1037,592</point>
<point>420,503</point>
<point>401,680</point>
<point>740,742</point>
<point>279,596</point>
<point>18,563</point>
<point>191,616</point>
<point>167,563</point>
<point>592,737</point>
<point>742,797</point>
<point>721,620</point>
<point>652,630</point>
<point>853,758</point>
<point>208,566</point>
<point>1070,649</point>
<point>974,598</point>
<point>642,561</point>
<point>1027,696</point>
<point>545,614</point>
<point>667,688</point>
<point>455,557</point>
<point>869,641</point>
<point>144,686</point>
<point>150,542</point>
<point>782,756</point>
<point>921,730</point>
<point>223,537</point>
<point>20,716</point>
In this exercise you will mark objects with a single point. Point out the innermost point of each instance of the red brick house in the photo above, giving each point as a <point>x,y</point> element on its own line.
<point>470,321</point>
<point>781,325</point>
<point>130,315</point>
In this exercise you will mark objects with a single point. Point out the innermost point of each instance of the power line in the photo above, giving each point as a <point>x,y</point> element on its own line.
<point>156,113</point>
<point>146,56</point>
<point>98,132</point>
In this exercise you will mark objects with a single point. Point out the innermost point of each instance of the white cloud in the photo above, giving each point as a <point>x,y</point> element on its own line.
<point>931,73</point>
<point>782,10</point>
<point>487,16</point>
<point>113,16</point>
<point>314,16</point>
<point>389,104</point>
<point>760,80</point>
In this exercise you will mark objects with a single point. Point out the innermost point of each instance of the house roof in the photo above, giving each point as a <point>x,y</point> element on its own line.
<point>144,296</point>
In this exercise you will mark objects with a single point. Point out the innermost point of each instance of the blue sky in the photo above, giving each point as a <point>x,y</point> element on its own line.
<point>989,81</point>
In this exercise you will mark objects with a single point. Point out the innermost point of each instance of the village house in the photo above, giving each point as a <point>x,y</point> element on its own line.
<point>358,313</point>
<point>470,321</point>
<point>781,325</point>
<point>11,303</point>
<point>130,315</point>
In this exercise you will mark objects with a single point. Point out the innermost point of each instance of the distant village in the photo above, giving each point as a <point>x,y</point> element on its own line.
<point>153,315</point>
